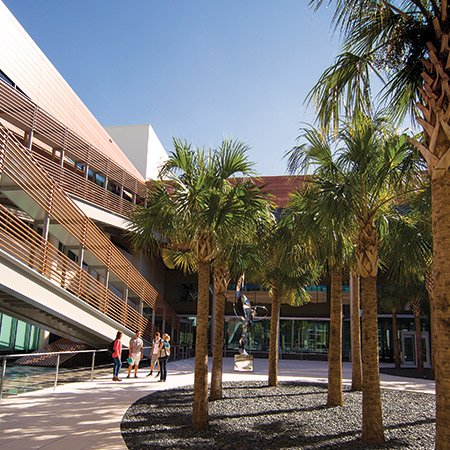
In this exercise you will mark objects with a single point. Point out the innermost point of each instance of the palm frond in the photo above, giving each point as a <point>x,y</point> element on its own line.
<point>343,89</point>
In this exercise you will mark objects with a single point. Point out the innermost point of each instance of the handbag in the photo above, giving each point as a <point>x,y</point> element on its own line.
<point>162,353</point>
<point>130,360</point>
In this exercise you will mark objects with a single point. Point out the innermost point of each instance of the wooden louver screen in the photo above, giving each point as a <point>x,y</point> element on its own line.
<point>21,111</point>
<point>24,244</point>
<point>20,165</point>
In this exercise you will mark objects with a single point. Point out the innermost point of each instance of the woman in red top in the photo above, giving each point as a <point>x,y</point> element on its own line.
<point>117,354</point>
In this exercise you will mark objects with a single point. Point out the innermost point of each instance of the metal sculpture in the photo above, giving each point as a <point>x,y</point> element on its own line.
<point>248,314</point>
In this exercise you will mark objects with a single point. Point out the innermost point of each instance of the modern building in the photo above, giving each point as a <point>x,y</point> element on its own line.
<point>66,194</point>
<point>67,189</point>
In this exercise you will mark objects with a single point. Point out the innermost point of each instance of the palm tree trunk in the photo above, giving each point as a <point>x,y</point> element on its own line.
<point>335,397</point>
<point>372,430</point>
<point>221,281</point>
<point>395,338</point>
<point>273,345</point>
<point>440,189</point>
<point>429,283</point>
<point>200,404</point>
<point>356,335</point>
<point>415,306</point>
<point>433,339</point>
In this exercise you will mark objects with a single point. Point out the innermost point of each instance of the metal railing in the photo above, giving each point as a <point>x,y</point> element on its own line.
<point>21,167</point>
<point>50,379</point>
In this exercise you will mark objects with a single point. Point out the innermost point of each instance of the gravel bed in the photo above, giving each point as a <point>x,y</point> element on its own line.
<point>253,416</point>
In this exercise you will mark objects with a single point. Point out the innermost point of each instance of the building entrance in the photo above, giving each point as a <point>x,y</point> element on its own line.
<point>409,349</point>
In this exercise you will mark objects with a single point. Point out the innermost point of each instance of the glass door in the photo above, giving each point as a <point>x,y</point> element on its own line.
<point>409,348</point>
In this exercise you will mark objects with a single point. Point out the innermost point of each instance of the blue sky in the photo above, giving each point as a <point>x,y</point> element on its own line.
<point>198,70</point>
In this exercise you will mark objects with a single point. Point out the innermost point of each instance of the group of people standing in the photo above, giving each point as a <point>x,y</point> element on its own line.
<point>160,353</point>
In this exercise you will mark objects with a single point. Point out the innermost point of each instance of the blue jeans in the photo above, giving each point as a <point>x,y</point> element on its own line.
<point>163,368</point>
<point>117,366</point>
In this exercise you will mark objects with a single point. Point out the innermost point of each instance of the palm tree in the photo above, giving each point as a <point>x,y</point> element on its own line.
<point>234,259</point>
<point>316,225</point>
<point>416,308</point>
<point>374,165</point>
<point>192,205</point>
<point>286,270</point>
<point>406,252</point>
<point>356,333</point>
<point>221,277</point>
<point>421,205</point>
<point>392,300</point>
<point>406,44</point>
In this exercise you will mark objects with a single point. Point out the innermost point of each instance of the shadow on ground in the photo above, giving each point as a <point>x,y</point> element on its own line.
<point>289,416</point>
<point>407,373</point>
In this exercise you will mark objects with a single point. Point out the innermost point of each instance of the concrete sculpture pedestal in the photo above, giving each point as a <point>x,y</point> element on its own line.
<point>243,363</point>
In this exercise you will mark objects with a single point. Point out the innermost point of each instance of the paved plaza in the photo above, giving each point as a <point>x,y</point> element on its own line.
<point>87,416</point>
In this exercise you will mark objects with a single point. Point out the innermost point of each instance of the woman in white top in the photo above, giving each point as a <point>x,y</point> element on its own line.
<point>154,352</point>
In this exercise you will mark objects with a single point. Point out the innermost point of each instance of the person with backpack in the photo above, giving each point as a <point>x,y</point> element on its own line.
<point>164,353</point>
<point>117,355</point>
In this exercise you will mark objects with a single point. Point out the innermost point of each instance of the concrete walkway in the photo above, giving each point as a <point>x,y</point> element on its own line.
<point>87,416</point>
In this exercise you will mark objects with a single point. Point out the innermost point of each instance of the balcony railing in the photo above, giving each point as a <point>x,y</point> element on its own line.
<point>20,165</point>
<point>24,244</point>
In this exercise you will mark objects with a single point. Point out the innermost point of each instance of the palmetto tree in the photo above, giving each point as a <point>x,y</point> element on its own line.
<point>235,258</point>
<point>356,331</point>
<point>221,278</point>
<point>392,301</point>
<point>418,297</point>
<point>286,270</point>
<point>406,43</point>
<point>406,255</point>
<point>371,167</point>
<point>193,205</point>
<point>324,234</point>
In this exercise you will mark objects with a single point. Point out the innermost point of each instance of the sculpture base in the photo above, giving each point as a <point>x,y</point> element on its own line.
<point>243,363</point>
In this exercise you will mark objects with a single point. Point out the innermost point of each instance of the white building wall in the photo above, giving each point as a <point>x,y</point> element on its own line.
<point>142,147</point>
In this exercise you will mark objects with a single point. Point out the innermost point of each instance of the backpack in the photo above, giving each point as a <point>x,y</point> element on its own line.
<point>110,348</point>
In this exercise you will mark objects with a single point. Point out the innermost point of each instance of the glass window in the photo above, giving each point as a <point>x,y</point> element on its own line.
<point>259,335</point>
<point>286,335</point>
<point>99,180</point>
<point>4,77</point>
<point>297,336</point>
<point>315,336</point>
<point>5,332</point>
<point>21,335</point>
<point>114,188</point>
<point>127,195</point>
<point>116,291</point>
<point>33,338</point>
<point>71,255</point>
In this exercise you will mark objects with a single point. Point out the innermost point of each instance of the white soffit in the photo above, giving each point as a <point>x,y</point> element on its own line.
<point>100,215</point>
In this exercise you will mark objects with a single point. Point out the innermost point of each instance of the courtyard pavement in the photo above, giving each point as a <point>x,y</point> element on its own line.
<point>87,416</point>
